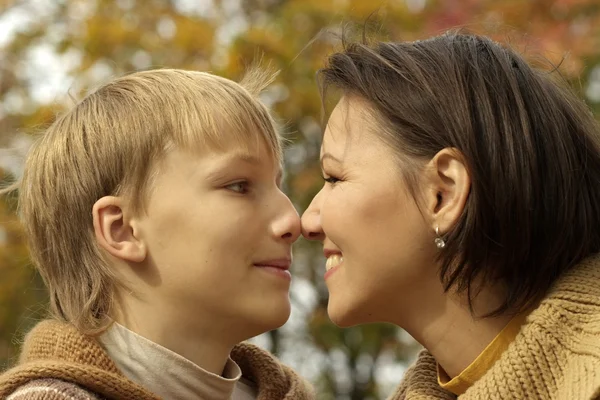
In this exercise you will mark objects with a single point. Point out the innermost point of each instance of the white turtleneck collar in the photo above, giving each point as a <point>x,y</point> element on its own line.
<point>168,374</point>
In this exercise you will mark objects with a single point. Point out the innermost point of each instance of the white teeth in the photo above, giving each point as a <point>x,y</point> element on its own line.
<point>333,261</point>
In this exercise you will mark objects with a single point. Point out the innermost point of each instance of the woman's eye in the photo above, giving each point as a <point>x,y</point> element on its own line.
<point>331,179</point>
<point>239,187</point>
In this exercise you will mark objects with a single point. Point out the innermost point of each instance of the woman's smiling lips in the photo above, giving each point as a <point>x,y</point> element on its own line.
<point>334,260</point>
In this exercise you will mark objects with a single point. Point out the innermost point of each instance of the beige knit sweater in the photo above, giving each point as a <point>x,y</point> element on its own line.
<point>556,355</point>
<point>58,363</point>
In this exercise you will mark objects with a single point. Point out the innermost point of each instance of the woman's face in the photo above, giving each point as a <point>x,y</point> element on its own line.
<point>379,248</point>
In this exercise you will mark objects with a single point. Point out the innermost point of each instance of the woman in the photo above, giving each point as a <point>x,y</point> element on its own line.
<point>462,203</point>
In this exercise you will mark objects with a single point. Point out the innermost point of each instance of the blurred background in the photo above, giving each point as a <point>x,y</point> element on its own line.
<point>52,52</point>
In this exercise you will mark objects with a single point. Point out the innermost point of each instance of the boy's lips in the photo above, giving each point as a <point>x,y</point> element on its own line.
<point>282,263</point>
<point>279,267</point>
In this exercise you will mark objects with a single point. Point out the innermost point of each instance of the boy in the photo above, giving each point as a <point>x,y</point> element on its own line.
<point>154,214</point>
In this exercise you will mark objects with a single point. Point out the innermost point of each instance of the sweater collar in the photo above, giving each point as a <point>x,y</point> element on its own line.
<point>54,349</point>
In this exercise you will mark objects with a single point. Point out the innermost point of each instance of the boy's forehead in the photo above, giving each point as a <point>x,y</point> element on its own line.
<point>247,148</point>
<point>252,151</point>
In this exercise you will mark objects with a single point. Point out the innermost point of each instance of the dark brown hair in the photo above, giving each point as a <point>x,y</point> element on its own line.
<point>530,144</point>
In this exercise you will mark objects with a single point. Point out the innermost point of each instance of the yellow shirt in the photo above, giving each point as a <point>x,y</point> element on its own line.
<point>459,384</point>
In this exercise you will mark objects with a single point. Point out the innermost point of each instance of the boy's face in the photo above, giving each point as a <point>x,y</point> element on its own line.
<point>219,233</point>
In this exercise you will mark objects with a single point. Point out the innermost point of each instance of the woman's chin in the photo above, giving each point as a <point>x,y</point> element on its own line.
<point>343,316</point>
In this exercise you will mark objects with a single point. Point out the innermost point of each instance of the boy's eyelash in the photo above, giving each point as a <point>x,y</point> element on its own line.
<point>245,187</point>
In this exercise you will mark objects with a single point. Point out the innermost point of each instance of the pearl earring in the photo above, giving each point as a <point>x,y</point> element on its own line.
<point>439,242</point>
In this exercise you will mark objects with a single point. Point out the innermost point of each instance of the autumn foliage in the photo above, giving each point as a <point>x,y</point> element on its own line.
<point>52,52</point>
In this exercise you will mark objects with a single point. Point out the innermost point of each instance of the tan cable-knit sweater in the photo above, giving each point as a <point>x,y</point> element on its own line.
<point>555,356</point>
<point>58,363</point>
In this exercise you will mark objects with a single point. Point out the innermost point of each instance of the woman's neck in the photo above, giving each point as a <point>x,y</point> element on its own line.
<point>445,326</point>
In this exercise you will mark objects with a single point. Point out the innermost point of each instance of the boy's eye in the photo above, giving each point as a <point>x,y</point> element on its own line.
<point>239,187</point>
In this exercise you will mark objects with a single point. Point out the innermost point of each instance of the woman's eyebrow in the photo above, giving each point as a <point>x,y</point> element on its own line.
<point>331,157</point>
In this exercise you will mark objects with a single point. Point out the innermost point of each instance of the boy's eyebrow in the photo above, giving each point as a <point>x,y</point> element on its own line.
<point>240,156</point>
<point>245,157</point>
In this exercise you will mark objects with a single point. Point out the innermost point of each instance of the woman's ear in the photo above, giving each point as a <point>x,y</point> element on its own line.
<point>116,232</point>
<point>448,188</point>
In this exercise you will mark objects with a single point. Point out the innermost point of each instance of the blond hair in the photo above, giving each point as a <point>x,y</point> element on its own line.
<point>106,145</point>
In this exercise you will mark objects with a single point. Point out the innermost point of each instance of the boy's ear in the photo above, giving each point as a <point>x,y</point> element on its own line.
<point>449,185</point>
<point>115,232</point>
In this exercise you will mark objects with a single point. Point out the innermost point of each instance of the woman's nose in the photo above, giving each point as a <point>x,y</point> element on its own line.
<point>311,221</point>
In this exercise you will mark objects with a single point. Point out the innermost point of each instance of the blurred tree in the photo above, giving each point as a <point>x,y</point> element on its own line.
<point>51,51</point>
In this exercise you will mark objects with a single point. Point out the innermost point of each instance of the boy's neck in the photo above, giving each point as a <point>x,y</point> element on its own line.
<point>207,348</point>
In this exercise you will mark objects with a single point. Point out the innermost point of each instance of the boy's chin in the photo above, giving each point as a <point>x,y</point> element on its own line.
<point>277,323</point>
<point>278,319</point>
<point>268,321</point>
